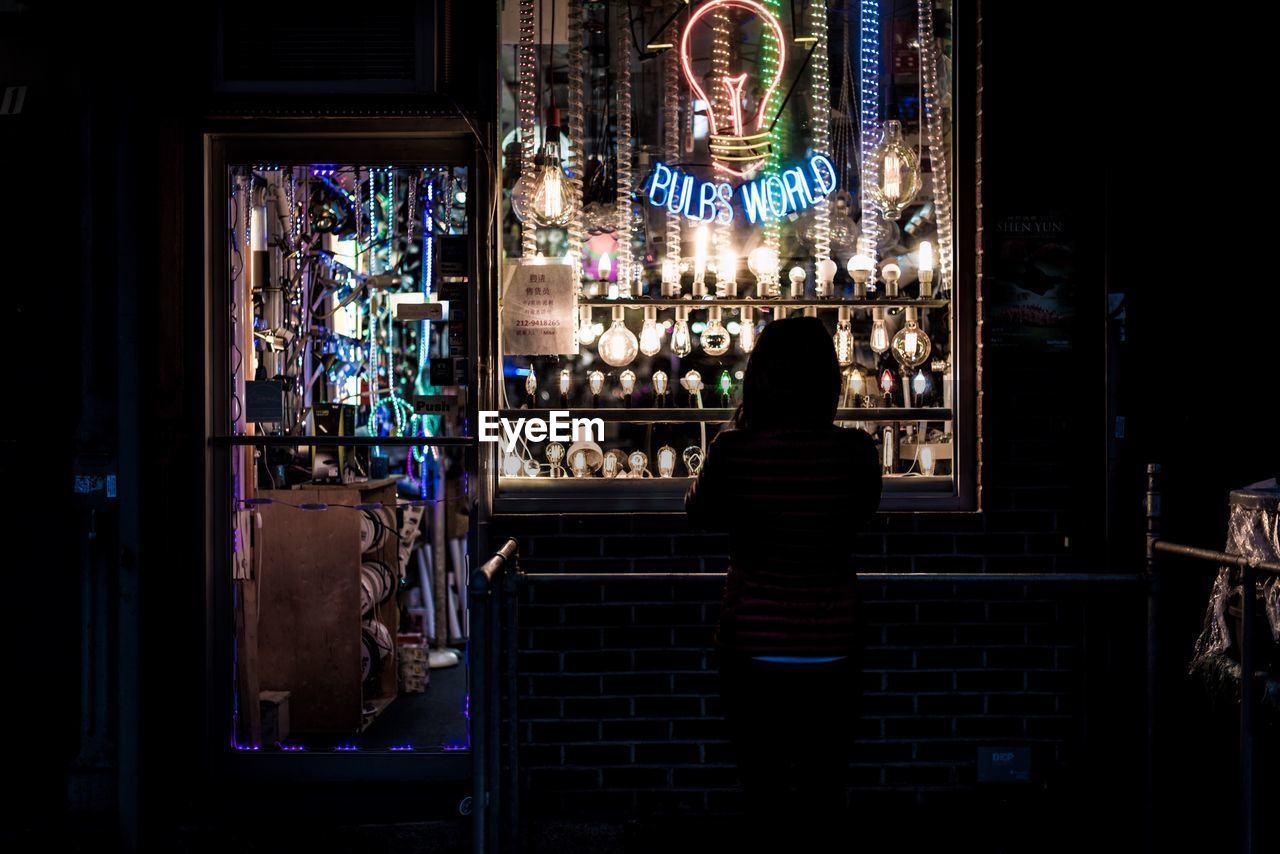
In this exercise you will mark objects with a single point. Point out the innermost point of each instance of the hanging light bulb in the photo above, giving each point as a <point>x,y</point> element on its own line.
<point>891,272</point>
<point>700,237</point>
<point>531,384</point>
<point>727,273</point>
<point>879,334</point>
<point>715,338</point>
<point>681,338</point>
<point>586,328</point>
<point>825,273</point>
<point>843,338</point>
<point>692,457</point>
<point>763,264</point>
<point>926,461</point>
<point>628,382</point>
<point>899,178</point>
<point>666,461</point>
<point>911,346</point>
<point>650,335</point>
<point>924,266</point>
<point>552,203</point>
<point>618,345</point>
<point>747,335</point>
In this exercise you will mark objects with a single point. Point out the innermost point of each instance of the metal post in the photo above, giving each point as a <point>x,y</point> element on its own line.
<point>511,590</point>
<point>1247,628</point>
<point>477,711</point>
<point>1153,589</point>
<point>493,709</point>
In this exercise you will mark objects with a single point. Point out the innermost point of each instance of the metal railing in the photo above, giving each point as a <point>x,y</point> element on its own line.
<point>491,665</point>
<point>1248,628</point>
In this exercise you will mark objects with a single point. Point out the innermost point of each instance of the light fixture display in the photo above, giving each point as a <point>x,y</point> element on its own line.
<point>716,340</point>
<point>666,461</point>
<point>681,338</point>
<point>843,338</point>
<point>650,334</point>
<point>911,345</point>
<point>618,345</point>
<point>747,334</point>
<point>740,144</point>
<point>924,268</point>
<point>897,178</point>
<point>879,333</point>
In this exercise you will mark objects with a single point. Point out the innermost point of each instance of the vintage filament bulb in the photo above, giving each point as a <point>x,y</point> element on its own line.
<point>595,382</point>
<point>747,335</point>
<point>659,383</point>
<point>531,383</point>
<point>911,345</point>
<point>879,334</point>
<point>628,382</point>
<point>843,338</point>
<point>681,338</point>
<point>650,334</point>
<point>612,465</point>
<point>586,328</point>
<point>618,345</point>
<point>715,338</point>
<point>637,461</point>
<point>898,178</point>
<point>552,202</point>
<point>926,460</point>
<point>564,382</point>
<point>666,461</point>
<point>693,459</point>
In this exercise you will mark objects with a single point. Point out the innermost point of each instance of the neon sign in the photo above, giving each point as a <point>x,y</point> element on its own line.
<point>768,198</point>
<point>736,148</point>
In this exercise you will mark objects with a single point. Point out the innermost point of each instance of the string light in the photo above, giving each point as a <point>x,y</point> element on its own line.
<point>623,171</point>
<point>869,130</point>
<point>574,130</point>
<point>526,72</point>
<point>820,101</point>
<point>932,104</point>
<point>671,151</point>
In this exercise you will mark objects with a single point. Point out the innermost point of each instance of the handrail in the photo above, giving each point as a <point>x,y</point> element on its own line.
<point>965,577</point>
<point>491,663</point>
<point>1215,556</point>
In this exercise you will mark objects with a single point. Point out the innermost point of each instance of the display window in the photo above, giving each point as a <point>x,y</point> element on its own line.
<point>341,328</point>
<point>676,177</point>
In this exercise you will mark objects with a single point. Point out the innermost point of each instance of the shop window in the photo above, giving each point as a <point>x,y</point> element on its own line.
<point>344,289</point>
<point>674,178</point>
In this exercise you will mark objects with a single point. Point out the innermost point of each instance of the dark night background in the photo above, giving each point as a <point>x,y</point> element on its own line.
<point>1149,152</point>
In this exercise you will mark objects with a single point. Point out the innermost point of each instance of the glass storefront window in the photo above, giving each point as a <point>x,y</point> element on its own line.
<point>673,181</point>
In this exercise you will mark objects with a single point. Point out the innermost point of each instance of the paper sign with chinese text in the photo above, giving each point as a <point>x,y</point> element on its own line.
<point>538,311</point>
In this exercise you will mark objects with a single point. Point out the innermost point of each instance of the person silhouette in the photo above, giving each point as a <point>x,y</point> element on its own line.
<point>790,489</point>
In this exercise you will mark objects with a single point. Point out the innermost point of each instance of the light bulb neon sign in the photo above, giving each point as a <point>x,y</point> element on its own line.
<point>741,145</point>
<point>768,198</point>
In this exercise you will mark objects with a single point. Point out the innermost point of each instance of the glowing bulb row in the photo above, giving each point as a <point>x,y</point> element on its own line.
<point>613,464</point>
<point>691,382</point>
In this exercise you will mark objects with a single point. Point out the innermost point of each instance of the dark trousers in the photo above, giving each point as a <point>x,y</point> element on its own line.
<point>792,727</point>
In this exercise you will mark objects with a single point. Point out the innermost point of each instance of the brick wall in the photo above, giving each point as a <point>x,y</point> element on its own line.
<point>620,713</point>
